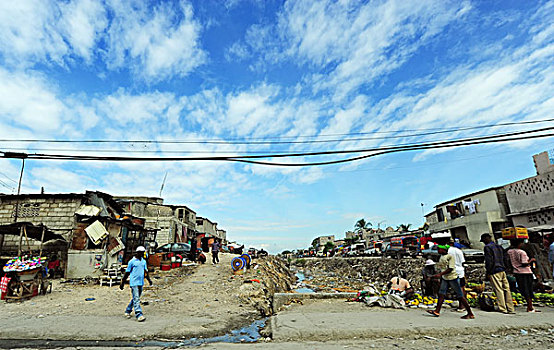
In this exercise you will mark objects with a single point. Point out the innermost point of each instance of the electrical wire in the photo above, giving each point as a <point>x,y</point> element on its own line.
<point>515,136</point>
<point>266,152</point>
<point>265,142</point>
<point>7,177</point>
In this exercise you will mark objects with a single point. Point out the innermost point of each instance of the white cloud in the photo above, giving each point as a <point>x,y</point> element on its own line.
<point>82,23</point>
<point>49,178</point>
<point>351,44</point>
<point>27,101</point>
<point>154,44</point>
<point>165,43</point>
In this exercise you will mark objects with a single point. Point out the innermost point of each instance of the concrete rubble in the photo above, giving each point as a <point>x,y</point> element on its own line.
<point>266,277</point>
<point>354,274</point>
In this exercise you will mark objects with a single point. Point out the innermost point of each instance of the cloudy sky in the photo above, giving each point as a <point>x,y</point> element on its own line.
<point>262,76</point>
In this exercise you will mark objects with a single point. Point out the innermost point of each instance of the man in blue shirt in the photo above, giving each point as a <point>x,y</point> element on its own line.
<point>137,270</point>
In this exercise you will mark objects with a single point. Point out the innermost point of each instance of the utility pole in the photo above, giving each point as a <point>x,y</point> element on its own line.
<point>16,214</point>
<point>163,184</point>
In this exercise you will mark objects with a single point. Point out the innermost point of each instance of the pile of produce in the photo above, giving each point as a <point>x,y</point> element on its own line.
<point>22,264</point>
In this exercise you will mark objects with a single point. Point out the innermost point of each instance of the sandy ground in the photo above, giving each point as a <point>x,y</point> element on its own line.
<point>199,301</point>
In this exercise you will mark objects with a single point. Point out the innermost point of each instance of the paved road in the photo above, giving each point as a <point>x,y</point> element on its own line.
<point>336,319</point>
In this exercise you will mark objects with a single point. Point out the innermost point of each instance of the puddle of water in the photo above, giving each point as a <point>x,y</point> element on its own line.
<point>248,334</point>
<point>301,278</point>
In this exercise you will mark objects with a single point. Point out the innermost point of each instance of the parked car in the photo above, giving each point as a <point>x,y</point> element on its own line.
<point>253,252</point>
<point>471,255</point>
<point>352,253</point>
<point>177,248</point>
<point>474,255</point>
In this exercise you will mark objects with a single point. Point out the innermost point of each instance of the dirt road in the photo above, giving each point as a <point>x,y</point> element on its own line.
<point>186,302</point>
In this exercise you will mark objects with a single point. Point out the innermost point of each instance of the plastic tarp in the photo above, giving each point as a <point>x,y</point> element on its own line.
<point>96,232</point>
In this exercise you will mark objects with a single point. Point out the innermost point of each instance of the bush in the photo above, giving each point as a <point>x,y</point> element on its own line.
<point>300,262</point>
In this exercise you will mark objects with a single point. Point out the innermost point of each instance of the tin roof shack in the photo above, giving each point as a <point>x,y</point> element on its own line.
<point>174,223</point>
<point>206,232</point>
<point>469,216</point>
<point>91,223</point>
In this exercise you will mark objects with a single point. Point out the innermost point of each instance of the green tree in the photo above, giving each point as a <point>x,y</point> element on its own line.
<point>404,227</point>
<point>361,225</point>
<point>328,247</point>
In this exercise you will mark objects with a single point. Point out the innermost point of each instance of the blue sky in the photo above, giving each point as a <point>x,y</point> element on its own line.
<point>295,71</point>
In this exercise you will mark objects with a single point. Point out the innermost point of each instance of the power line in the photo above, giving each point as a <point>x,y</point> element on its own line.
<point>7,177</point>
<point>515,136</point>
<point>265,142</point>
<point>261,153</point>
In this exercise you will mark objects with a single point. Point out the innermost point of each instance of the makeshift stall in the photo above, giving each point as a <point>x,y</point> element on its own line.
<point>24,276</point>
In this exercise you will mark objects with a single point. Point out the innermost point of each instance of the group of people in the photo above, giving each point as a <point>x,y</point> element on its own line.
<point>449,273</point>
<point>515,260</point>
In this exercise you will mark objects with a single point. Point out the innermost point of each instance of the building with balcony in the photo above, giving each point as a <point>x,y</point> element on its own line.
<point>469,216</point>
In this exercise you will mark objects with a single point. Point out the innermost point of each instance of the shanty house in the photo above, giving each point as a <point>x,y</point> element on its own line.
<point>95,231</point>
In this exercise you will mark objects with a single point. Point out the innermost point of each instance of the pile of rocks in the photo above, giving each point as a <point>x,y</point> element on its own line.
<point>266,277</point>
<point>345,274</point>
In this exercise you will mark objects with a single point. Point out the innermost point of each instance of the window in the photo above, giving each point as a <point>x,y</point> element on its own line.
<point>440,215</point>
<point>180,214</point>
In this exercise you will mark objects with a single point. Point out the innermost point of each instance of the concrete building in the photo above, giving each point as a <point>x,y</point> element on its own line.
<point>223,235</point>
<point>469,216</point>
<point>531,200</point>
<point>206,232</point>
<point>175,223</point>
<point>321,241</point>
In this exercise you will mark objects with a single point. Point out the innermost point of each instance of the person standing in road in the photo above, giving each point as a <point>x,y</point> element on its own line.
<point>496,273</point>
<point>449,279</point>
<point>460,271</point>
<point>137,270</point>
<point>215,251</point>
<point>522,272</point>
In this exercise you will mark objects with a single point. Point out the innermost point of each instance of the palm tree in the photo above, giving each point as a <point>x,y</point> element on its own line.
<point>404,227</point>
<point>361,225</point>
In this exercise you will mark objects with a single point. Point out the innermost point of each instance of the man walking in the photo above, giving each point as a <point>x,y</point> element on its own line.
<point>496,273</point>
<point>137,270</point>
<point>215,251</point>
<point>459,259</point>
<point>449,279</point>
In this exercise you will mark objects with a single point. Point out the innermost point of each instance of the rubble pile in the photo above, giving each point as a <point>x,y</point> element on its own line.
<point>266,277</point>
<point>353,274</point>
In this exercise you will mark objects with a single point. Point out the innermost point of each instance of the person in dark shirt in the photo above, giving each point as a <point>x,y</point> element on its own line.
<point>215,251</point>
<point>496,273</point>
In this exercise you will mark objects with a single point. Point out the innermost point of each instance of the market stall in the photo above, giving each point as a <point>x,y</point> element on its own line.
<point>25,275</point>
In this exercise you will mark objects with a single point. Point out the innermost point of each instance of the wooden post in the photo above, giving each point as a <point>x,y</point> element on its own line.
<point>42,240</point>
<point>27,239</point>
<point>20,240</point>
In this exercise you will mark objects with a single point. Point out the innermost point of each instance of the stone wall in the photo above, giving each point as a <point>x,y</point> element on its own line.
<point>58,214</point>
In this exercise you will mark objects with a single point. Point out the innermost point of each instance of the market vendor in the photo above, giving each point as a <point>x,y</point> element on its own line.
<point>430,283</point>
<point>449,279</point>
<point>399,285</point>
<point>54,267</point>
